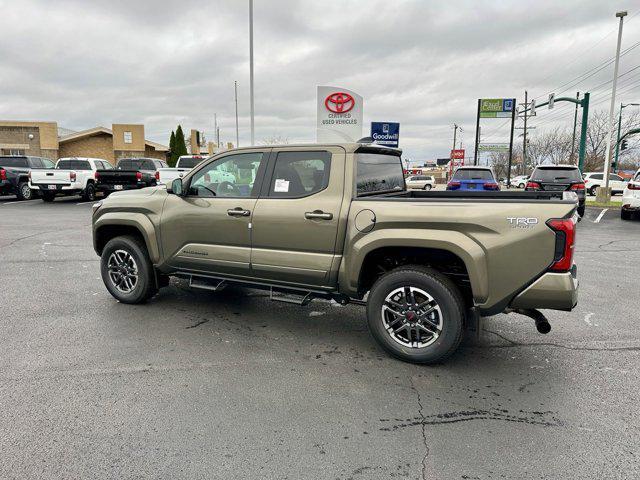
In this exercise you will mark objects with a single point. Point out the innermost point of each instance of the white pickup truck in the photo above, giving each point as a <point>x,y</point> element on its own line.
<point>183,166</point>
<point>72,176</point>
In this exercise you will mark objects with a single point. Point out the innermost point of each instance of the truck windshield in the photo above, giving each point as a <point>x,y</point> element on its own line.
<point>555,174</point>
<point>17,162</point>
<point>472,174</point>
<point>377,173</point>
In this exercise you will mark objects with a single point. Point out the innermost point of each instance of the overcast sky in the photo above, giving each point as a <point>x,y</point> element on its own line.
<point>421,63</point>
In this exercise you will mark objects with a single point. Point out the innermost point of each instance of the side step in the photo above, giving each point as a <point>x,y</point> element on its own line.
<point>204,283</point>
<point>302,299</point>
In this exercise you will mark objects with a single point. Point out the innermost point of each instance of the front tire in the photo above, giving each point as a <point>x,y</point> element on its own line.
<point>127,271</point>
<point>24,192</point>
<point>427,187</point>
<point>416,314</point>
<point>581,210</point>
<point>625,214</point>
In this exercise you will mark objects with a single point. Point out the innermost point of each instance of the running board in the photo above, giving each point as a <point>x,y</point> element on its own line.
<point>204,283</point>
<point>288,297</point>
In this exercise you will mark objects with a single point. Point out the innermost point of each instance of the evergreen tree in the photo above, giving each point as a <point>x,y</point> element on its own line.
<point>181,146</point>
<point>172,149</point>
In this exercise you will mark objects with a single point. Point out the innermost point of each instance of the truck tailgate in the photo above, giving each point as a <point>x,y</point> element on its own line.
<point>51,177</point>
<point>118,177</point>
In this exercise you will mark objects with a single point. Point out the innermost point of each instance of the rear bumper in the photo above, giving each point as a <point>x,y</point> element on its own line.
<point>102,187</point>
<point>553,291</point>
<point>6,187</point>
<point>630,202</point>
<point>62,188</point>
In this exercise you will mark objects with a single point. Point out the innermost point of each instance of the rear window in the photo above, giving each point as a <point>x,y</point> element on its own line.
<point>546,174</point>
<point>378,173</point>
<point>189,162</point>
<point>17,162</point>
<point>73,165</point>
<point>136,164</point>
<point>473,174</point>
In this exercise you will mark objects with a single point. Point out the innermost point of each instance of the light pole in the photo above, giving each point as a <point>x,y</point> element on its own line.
<point>235,87</point>
<point>253,135</point>
<point>622,105</point>
<point>606,195</point>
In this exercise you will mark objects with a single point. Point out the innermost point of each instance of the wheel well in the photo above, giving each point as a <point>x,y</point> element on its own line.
<point>108,232</point>
<point>380,261</point>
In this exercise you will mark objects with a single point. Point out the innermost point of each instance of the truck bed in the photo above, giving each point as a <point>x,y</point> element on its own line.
<point>456,195</point>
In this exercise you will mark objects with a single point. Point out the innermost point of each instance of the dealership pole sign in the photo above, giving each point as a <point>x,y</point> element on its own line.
<point>339,115</point>
<point>496,107</point>
<point>385,133</point>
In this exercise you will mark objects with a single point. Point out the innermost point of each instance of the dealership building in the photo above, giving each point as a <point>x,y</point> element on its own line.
<point>46,139</point>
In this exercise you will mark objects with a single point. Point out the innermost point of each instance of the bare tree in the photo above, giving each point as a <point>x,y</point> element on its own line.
<point>275,139</point>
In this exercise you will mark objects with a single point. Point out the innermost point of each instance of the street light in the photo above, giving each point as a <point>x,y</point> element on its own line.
<point>622,105</point>
<point>253,136</point>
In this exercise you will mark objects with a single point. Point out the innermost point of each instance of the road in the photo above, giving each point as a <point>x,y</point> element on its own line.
<point>232,386</point>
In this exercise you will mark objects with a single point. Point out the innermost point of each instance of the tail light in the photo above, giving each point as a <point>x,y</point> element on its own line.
<point>533,186</point>
<point>631,186</point>
<point>453,185</point>
<point>491,186</point>
<point>3,174</point>
<point>73,176</point>
<point>157,175</point>
<point>577,186</point>
<point>565,229</point>
<point>138,176</point>
<point>96,175</point>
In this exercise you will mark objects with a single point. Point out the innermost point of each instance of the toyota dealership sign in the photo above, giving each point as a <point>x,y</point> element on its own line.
<point>339,114</point>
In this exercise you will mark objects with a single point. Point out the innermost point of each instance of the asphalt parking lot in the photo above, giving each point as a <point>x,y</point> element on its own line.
<point>230,385</point>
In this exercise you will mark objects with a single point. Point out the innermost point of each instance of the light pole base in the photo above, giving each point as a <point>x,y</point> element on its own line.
<point>603,195</point>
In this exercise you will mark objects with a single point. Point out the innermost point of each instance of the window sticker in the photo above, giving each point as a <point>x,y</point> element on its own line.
<point>281,185</point>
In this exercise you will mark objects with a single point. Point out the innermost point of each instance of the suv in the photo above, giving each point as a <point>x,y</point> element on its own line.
<point>421,182</point>
<point>558,178</point>
<point>14,174</point>
<point>593,180</point>
<point>473,178</point>
<point>335,221</point>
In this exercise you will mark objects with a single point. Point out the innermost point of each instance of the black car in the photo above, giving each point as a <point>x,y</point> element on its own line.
<point>14,174</point>
<point>129,174</point>
<point>558,178</point>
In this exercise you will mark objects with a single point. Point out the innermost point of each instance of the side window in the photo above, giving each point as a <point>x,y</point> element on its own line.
<point>124,165</point>
<point>615,178</point>
<point>48,163</point>
<point>36,162</point>
<point>300,174</point>
<point>230,176</point>
<point>597,176</point>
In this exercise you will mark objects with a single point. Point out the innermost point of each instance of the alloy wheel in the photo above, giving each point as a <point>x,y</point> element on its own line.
<point>123,271</point>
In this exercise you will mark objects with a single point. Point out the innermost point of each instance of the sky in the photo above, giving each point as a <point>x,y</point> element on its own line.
<point>421,63</point>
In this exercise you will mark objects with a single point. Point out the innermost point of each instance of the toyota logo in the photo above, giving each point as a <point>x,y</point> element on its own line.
<point>339,102</point>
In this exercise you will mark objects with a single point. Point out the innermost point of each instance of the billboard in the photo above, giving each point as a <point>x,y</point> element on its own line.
<point>496,107</point>
<point>386,133</point>
<point>457,155</point>
<point>493,147</point>
<point>339,115</point>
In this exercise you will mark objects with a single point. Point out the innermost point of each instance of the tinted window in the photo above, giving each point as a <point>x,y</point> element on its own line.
<point>16,162</point>
<point>596,176</point>
<point>124,165</point>
<point>73,165</point>
<point>48,163</point>
<point>298,174</point>
<point>616,178</point>
<point>378,173</point>
<point>542,174</point>
<point>36,162</point>
<point>472,174</point>
<point>189,162</point>
<point>159,164</point>
<point>230,176</point>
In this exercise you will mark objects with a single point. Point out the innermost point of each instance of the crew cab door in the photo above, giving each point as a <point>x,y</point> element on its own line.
<point>296,218</point>
<point>208,229</point>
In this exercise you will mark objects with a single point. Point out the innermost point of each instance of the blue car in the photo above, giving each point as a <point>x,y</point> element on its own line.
<point>473,178</point>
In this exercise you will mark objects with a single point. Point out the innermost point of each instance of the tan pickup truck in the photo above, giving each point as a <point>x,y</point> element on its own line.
<point>337,222</point>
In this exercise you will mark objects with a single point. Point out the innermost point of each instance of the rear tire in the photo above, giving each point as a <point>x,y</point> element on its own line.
<point>581,211</point>
<point>592,191</point>
<point>427,187</point>
<point>425,331</point>
<point>89,193</point>
<point>24,192</point>
<point>48,196</point>
<point>127,271</point>
<point>625,214</point>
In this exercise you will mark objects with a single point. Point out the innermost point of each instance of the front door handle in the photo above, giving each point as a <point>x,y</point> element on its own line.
<point>318,214</point>
<point>238,212</point>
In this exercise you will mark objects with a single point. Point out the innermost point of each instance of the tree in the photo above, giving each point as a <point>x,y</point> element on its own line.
<point>172,149</point>
<point>180,145</point>
<point>275,139</point>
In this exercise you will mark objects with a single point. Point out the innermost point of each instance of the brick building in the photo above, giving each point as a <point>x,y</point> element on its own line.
<point>46,140</point>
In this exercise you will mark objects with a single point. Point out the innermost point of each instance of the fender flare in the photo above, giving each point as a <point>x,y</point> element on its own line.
<point>137,220</point>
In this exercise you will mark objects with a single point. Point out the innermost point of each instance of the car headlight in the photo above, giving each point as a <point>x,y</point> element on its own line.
<point>96,206</point>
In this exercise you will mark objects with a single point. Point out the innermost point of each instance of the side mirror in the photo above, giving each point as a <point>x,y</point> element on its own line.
<point>176,187</point>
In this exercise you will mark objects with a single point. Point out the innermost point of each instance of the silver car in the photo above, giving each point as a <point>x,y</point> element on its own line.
<point>421,182</point>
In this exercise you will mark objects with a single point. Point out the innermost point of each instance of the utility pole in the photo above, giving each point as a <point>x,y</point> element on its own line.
<point>513,121</point>
<point>455,130</point>
<point>475,152</point>
<point>575,123</point>
<point>235,87</point>
<point>215,130</point>
<point>524,139</point>
<point>253,134</point>
<point>606,195</point>
<point>622,106</point>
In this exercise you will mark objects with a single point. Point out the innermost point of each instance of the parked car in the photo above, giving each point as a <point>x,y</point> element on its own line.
<point>14,174</point>
<point>631,198</point>
<point>129,174</point>
<point>593,180</point>
<point>71,176</point>
<point>475,178</point>
<point>421,182</point>
<point>183,166</point>
<point>520,181</point>
<point>291,222</point>
<point>558,178</point>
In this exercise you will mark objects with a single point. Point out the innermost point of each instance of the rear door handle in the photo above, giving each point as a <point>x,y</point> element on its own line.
<point>318,214</point>
<point>238,212</point>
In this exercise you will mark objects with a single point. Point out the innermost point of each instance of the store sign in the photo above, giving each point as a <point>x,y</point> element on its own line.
<point>493,147</point>
<point>339,115</point>
<point>387,134</point>
<point>457,155</point>
<point>496,107</point>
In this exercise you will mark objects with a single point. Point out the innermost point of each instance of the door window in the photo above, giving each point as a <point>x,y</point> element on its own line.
<point>300,174</point>
<point>616,178</point>
<point>231,176</point>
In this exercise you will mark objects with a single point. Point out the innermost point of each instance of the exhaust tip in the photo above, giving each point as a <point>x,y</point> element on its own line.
<point>543,326</point>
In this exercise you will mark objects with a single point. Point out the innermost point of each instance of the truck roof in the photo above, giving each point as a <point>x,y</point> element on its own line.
<point>350,147</point>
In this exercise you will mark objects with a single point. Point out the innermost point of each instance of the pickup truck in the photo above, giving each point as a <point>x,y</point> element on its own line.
<point>72,176</point>
<point>183,166</point>
<point>130,174</point>
<point>14,174</point>
<point>336,221</point>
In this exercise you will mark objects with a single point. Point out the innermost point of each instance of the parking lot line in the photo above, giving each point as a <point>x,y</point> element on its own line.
<point>597,220</point>
<point>21,202</point>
